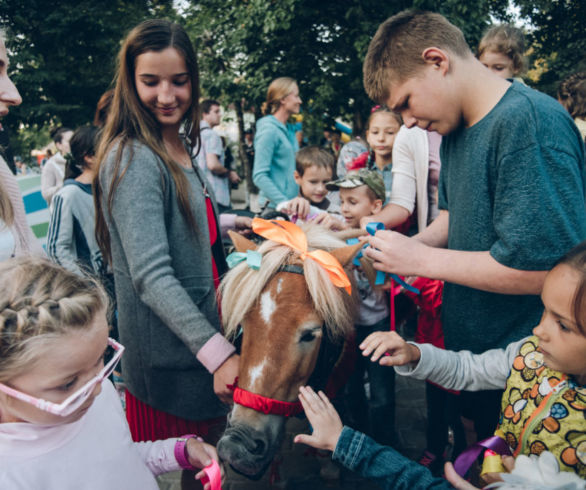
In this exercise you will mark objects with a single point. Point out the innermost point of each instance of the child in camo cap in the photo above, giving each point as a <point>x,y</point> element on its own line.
<point>362,193</point>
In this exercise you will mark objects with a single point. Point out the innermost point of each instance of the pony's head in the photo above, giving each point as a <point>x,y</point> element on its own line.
<point>285,308</point>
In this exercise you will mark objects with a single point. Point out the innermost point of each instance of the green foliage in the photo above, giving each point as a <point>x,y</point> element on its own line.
<point>30,138</point>
<point>557,36</point>
<point>62,57</point>
<point>244,44</point>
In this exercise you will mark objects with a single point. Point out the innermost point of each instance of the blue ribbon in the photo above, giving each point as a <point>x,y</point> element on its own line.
<point>372,228</point>
<point>253,259</point>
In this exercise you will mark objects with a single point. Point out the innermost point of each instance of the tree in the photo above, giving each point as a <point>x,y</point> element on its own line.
<point>244,44</point>
<point>63,54</point>
<point>557,37</point>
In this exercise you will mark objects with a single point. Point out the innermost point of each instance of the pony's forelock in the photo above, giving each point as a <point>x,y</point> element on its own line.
<point>242,286</point>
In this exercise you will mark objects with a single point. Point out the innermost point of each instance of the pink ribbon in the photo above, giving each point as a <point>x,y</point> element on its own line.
<point>213,475</point>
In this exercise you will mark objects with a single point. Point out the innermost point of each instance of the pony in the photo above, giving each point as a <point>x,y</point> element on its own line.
<point>285,310</point>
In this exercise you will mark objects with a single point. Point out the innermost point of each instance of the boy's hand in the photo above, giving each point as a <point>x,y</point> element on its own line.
<point>367,219</point>
<point>299,206</point>
<point>324,419</point>
<point>399,351</point>
<point>324,219</point>
<point>393,252</point>
<point>233,177</point>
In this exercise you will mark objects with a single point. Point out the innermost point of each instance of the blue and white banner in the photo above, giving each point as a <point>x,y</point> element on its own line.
<point>37,212</point>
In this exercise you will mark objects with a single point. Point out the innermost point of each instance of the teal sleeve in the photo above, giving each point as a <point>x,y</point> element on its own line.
<point>265,145</point>
<point>539,208</point>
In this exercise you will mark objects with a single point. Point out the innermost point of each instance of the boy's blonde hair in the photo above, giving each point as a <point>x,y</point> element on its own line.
<point>395,52</point>
<point>508,40</point>
<point>40,300</point>
<point>313,155</point>
<point>278,90</point>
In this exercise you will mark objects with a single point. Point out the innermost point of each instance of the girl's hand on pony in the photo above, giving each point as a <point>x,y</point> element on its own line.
<point>200,455</point>
<point>390,348</point>
<point>224,377</point>
<point>323,417</point>
<point>243,225</point>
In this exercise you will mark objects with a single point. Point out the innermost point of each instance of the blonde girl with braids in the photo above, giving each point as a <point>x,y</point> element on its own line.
<point>156,223</point>
<point>61,422</point>
<point>275,145</point>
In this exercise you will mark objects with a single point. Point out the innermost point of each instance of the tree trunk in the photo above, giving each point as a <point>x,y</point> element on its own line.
<point>246,164</point>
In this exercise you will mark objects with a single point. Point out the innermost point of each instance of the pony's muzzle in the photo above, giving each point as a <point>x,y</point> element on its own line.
<point>249,451</point>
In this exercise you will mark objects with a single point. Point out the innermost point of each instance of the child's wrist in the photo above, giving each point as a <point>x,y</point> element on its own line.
<point>334,440</point>
<point>415,353</point>
<point>181,453</point>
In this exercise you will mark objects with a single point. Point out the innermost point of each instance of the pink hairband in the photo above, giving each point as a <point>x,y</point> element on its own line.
<point>375,108</point>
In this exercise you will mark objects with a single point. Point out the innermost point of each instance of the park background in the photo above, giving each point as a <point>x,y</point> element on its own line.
<point>63,53</point>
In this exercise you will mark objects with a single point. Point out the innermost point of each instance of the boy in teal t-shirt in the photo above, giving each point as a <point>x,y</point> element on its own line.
<point>511,186</point>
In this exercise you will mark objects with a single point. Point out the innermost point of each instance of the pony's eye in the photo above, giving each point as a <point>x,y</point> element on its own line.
<point>307,337</point>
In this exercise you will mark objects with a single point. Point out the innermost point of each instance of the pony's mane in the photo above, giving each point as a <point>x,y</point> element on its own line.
<point>241,287</point>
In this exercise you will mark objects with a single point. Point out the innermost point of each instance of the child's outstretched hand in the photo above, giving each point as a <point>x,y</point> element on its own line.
<point>200,454</point>
<point>323,417</point>
<point>299,206</point>
<point>398,351</point>
<point>327,221</point>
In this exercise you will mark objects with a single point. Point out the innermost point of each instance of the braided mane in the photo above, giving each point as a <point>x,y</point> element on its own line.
<point>242,286</point>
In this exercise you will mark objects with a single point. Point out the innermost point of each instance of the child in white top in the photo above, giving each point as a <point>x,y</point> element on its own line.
<point>61,422</point>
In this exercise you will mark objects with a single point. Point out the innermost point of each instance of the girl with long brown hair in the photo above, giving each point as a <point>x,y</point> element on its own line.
<point>156,224</point>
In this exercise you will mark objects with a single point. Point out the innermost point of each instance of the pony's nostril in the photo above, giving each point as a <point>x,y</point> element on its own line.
<point>259,447</point>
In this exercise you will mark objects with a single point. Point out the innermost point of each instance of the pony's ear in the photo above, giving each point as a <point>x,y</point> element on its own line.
<point>345,254</point>
<point>241,244</point>
<point>368,270</point>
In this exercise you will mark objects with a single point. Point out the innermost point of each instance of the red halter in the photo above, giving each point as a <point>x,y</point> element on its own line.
<point>263,404</point>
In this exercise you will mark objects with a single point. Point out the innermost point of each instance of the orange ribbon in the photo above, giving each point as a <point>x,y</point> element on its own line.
<point>289,234</point>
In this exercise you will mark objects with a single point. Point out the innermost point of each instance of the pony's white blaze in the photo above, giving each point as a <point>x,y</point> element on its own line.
<point>279,285</point>
<point>267,307</point>
<point>256,372</point>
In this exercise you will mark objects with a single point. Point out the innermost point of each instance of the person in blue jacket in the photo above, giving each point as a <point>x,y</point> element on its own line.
<point>275,144</point>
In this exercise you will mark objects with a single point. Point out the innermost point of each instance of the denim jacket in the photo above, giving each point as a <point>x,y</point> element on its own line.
<point>391,470</point>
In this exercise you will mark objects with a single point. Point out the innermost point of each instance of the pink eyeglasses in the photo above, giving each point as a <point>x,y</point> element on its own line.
<point>75,400</point>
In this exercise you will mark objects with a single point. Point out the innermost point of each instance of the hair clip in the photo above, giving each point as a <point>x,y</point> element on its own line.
<point>375,108</point>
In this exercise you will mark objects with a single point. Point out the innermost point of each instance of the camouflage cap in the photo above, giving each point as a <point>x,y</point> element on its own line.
<point>360,177</point>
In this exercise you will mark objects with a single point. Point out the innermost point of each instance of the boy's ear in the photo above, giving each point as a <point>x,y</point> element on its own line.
<point>436,57</point>
<point>377,205</point>
<point>297,177</point>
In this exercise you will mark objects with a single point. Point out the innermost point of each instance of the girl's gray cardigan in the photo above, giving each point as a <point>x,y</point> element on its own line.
<point>164,288</point>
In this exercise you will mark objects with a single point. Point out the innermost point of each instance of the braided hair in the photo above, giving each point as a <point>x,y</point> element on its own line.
<point>41,300</point>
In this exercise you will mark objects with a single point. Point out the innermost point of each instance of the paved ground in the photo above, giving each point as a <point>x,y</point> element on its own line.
<point>299,467</point>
